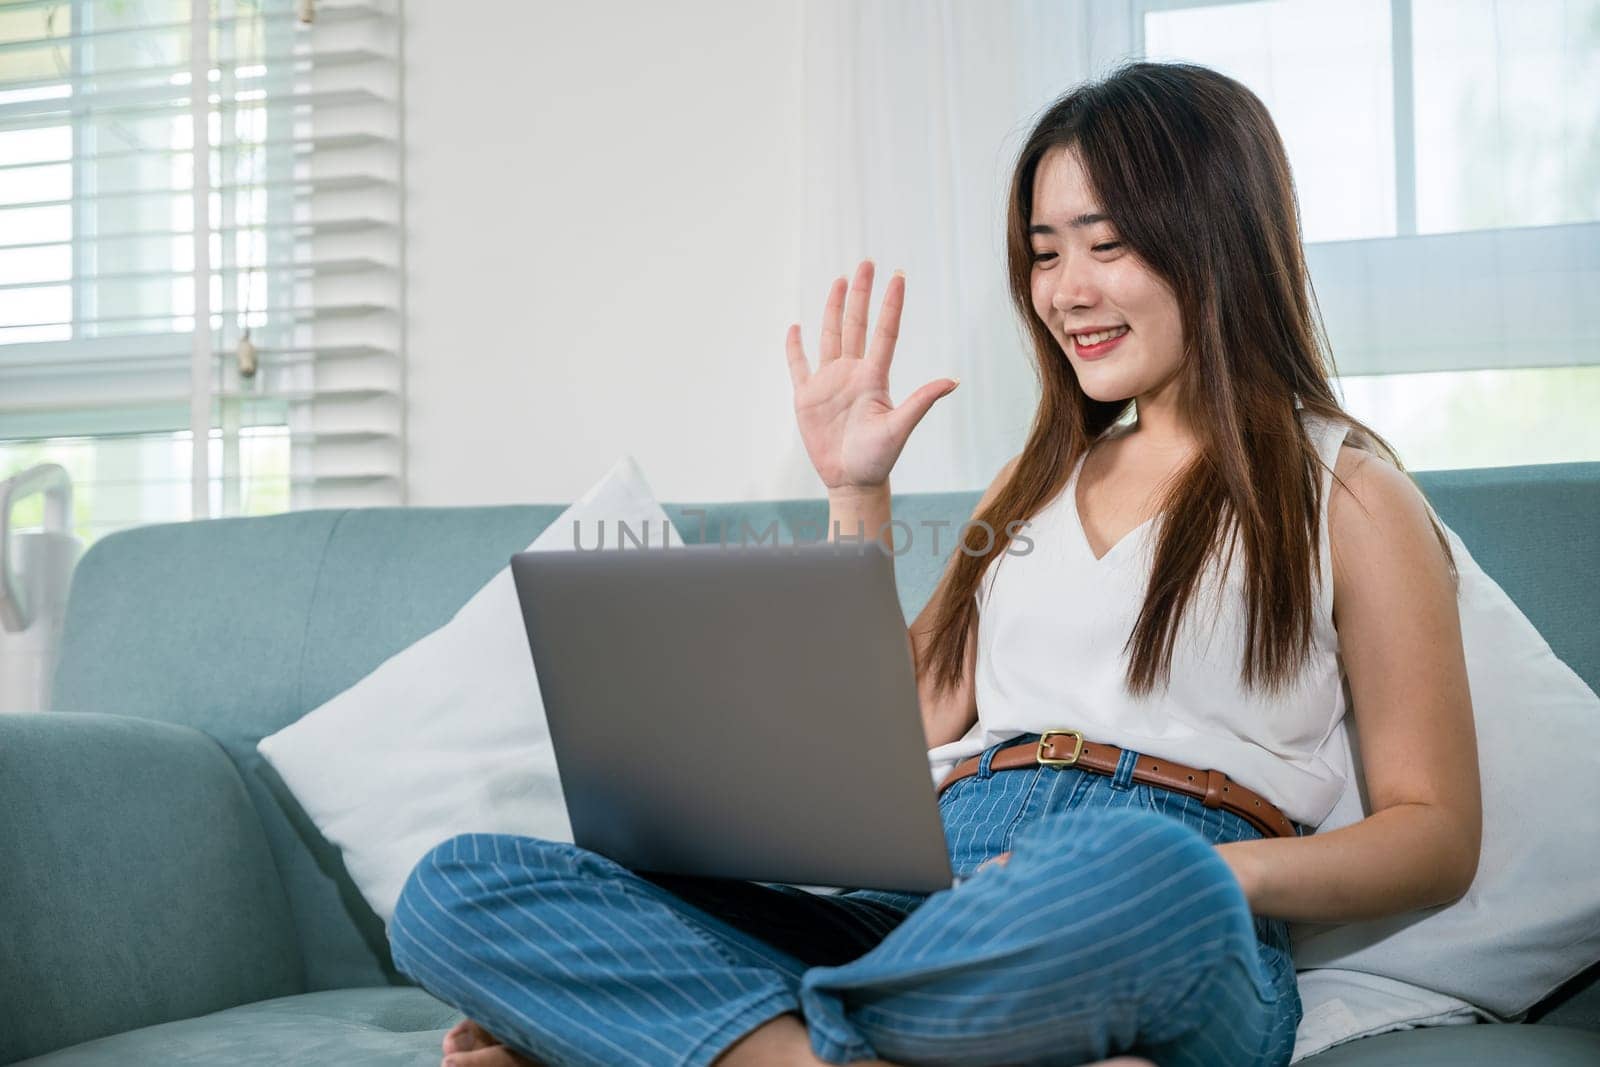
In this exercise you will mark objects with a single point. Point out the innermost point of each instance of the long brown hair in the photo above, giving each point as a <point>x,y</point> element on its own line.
<point>1191,170</point>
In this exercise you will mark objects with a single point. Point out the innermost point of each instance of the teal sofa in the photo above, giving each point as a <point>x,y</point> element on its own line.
<point>164,901</point>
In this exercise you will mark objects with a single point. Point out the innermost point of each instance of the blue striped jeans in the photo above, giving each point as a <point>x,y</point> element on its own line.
<point>1115,927</point>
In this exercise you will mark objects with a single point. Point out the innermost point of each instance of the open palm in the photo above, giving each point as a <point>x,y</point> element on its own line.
<point>852,430</point>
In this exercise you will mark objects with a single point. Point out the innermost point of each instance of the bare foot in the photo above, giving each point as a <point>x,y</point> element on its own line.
<point>470,1045</point>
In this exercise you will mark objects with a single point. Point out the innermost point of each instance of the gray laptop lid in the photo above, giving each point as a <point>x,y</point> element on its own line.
<point>736,711</point>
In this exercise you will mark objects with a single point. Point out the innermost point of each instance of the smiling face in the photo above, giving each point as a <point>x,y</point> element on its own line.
<point>1085,279</point>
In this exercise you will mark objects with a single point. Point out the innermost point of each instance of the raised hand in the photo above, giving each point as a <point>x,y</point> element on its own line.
<point>852,431</point>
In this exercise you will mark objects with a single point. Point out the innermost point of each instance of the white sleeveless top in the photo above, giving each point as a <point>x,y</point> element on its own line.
<point>1051,628</point>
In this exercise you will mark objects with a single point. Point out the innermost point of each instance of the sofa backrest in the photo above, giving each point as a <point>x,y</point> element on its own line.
<point>240,626</point>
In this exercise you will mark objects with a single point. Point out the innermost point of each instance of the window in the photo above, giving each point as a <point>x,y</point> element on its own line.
<point>300,387</point>
<point>1446,154</point>
<point>148,475</point>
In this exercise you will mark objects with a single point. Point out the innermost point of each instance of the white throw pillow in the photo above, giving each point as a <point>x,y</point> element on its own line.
<point>448,736</point>
<point>1341,1006</point>
<point>1531,919</point>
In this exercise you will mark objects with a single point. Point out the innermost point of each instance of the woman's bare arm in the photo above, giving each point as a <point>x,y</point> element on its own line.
<point>1400,636</point>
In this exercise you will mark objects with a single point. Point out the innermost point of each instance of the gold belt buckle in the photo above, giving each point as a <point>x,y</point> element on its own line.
<point>1077,749</point>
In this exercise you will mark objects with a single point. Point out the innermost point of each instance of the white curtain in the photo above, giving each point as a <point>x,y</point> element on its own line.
<point>1446,158</point>
<point>913,111</point>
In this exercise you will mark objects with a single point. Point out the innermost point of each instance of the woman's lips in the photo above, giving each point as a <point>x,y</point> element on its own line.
<point>1099,350</point>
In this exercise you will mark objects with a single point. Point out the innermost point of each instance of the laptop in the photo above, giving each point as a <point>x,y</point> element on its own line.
<point>737,711</point>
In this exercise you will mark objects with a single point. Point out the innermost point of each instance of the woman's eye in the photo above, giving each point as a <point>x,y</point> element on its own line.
<point>1040,257</point>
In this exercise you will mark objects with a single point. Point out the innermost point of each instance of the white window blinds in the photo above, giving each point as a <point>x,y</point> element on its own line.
<point>279,232</point>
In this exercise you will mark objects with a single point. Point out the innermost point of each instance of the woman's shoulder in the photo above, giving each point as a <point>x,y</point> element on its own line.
<point>1365,479</point>
<point>1377,513</point>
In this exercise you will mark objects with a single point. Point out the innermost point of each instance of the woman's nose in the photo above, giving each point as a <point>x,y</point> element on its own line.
<point>1074,289</point>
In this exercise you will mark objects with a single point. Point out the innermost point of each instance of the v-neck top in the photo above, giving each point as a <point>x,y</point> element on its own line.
<point>1052,623</point>
<point>1068,499</point>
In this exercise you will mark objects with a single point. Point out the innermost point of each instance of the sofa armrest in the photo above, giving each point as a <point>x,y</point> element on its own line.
<point>136,884</point>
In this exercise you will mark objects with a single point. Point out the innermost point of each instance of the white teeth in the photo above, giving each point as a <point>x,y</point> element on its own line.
<point>1096,338</point>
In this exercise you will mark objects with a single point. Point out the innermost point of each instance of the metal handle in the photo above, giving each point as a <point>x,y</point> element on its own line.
<point>52,480</point>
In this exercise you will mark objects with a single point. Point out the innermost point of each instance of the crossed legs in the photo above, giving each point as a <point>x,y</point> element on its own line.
<point>1106,930</point>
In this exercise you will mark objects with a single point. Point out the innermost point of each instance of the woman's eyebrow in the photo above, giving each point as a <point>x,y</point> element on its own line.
<point>1076,222</point>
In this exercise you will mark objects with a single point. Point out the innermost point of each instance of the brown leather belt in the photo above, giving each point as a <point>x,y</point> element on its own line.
<point>1067,748</point>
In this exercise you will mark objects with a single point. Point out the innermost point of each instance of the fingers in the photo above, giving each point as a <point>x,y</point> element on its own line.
<point>888,331</point>
<point>799,370</point>
<point>832,315</point>
<point>855,312</point>
<point>844,322</point>
<point>904,419</point>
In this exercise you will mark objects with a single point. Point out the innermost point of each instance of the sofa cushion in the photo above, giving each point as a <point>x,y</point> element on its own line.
<point>380,767</point>
<point>205,624</point>
<point>1533,529</point>
<point>1575,1004</point>
<point>370,1027</point>
<point>1339,1006</point>
<point>135,882</point>
<point>1531,919</point>
<point>1483,1045</point>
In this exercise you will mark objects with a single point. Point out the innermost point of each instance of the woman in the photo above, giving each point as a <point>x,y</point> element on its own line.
<point>1134,743</point>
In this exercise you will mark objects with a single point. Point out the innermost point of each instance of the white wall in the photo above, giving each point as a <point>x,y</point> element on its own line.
<point>600,259</point>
